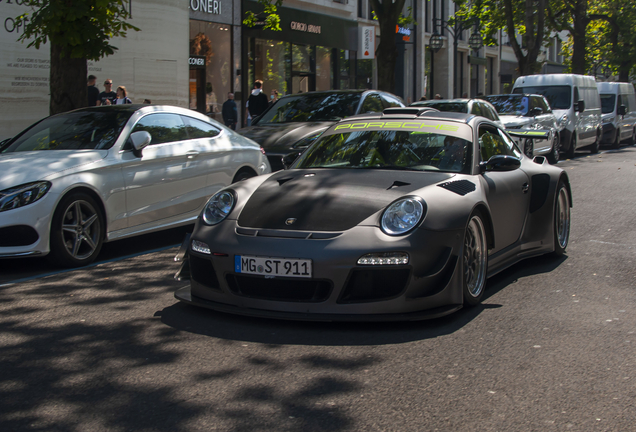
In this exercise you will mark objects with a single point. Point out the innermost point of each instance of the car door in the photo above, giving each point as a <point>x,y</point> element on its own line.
<point>507,192</point>
<point>217,159</point>
<point>165,181</point>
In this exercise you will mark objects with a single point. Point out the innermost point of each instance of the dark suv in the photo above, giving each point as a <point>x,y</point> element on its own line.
<point>295,121</point>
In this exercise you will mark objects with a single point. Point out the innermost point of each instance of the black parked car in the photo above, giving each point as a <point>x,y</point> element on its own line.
<point>295,121</point>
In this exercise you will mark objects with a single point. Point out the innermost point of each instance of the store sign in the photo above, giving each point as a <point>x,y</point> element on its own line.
<point>366,48</point>
<point>206,6</point>
<point>404,32</point>
<point>196,62</point>
<point>303,27</point>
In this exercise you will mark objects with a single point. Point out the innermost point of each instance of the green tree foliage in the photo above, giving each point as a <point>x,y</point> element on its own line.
<point>269,17</point>
<point>77,31</point>
<point>516,17</point>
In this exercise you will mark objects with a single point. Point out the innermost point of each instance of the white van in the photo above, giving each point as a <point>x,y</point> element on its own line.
<point>618,105</point>
<point>575,102</point>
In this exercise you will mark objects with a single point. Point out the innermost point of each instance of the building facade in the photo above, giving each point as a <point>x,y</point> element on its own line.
<point>191,53</point>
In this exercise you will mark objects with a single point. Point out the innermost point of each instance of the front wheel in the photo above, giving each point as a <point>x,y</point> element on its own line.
<point>243,175</point>
<point>594,147</point>
<point>561,219</point>
<point>475,261</point>
<point>569,153</point>
<point>555,153</point>
<point>77,231</point>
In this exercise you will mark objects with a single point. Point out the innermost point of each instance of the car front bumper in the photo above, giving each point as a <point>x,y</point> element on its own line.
<point>24,231</point>
<point>429,286</point>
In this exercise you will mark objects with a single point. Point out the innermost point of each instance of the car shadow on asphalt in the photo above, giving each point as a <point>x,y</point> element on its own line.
<point>220,325</point>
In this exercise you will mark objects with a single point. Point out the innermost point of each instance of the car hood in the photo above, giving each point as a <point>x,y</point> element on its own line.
<point>23,167</point>
<point>279,138</point>
<point>515,121</point>
<point>328,199</point>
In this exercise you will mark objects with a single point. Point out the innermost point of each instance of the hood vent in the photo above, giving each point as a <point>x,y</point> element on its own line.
<point>397,184</point>
<point>460,187</point>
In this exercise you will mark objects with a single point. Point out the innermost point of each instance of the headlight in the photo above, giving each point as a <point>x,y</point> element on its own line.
<point>218,207</point>
<point>22,195</point>
<point>563,121</point>
<point>402,216</point>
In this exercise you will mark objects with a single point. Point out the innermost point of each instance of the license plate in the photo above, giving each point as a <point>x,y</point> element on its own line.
<point>285,267</point>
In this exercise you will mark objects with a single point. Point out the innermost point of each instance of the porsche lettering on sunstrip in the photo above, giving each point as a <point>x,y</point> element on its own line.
<point>396,125</point>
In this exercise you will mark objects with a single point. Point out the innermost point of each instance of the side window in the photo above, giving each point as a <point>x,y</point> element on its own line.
<point>390,101</point>
<point>162,128</point>
<point>200,129</point>
<point>372,103</point>
<point>476,109</point>
<point>489,112</point>
<point>493,142</point>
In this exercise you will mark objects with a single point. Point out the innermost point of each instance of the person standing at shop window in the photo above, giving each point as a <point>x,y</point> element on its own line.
<point>257,102</point>
<point>93,91</point>
<point>108,96</point>
<point>229,112</point>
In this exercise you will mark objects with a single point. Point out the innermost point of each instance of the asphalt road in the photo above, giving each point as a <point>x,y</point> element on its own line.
<point>552,348</point>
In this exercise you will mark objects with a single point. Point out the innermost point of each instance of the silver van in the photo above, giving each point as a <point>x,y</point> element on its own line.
<point>618,104</point>
<point>576,104</point>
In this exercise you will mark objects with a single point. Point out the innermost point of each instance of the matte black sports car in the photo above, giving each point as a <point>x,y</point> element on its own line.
<point>394,216</point>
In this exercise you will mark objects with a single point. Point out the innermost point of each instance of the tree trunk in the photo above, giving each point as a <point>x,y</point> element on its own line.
<point>67,82</point>
<point>388,13</point>
<point>581,20</point>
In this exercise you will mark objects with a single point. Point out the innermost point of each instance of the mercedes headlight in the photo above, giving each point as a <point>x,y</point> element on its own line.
<point>22,195</point>
<point>563,122</point>
<point>218,207</point>
<point>402,216</point>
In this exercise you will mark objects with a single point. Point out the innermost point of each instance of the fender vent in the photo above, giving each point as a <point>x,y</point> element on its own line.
<point>460,187</point>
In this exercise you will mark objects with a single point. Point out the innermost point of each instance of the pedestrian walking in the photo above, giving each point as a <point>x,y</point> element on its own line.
<point>229,112</point>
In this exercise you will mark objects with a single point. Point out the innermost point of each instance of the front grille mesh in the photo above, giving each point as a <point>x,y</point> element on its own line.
<point>291,290</point>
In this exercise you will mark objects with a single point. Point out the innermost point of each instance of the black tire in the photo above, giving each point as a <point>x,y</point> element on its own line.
<point>77,231</point>
<point>632,140</point>
<point>617,141</point>
<point>474,261</point>
<point>528,148</point>
<point>244,174</point>
<point>594,147</point>
<point>555,153</point>
<point>561,219</point>
<point>569,153</point>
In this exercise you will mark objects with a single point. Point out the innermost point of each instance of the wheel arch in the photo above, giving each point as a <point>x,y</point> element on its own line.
<point>563,177</point>
<point>244,169</point>
<point>488,226</point>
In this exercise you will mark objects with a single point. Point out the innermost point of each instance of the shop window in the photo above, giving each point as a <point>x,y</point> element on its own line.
<point>272,65</point>
<point>324,71</point>
<point>211,82</point>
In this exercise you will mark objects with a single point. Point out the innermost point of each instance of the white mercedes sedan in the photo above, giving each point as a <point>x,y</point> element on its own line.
<point>73,181</point>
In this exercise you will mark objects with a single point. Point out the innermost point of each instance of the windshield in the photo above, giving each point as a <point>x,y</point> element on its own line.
<point>80,130</point>
<point>608,101</point>
<point>509,104</point>
<point>382,149</point>
<point>312,107</point>
<point>559,97</point>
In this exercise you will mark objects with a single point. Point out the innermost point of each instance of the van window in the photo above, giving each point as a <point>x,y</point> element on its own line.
<point>559,97</point>
<point>607,103</point>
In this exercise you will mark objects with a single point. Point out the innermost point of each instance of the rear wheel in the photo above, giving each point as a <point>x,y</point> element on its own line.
<point>617,141</point>
<point>561,219</point>
<point>244,174</point>
<point>77,231</point>
<point>555,153</point>
<point>528,148</point>
<point>474,261</point>
<point>569,153</point>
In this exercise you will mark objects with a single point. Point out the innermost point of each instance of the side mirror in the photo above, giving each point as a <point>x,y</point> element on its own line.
<point>537,111</point>
<point>139,140</point>
<point>290,158</point>
<point>622,110</point>
<point>500,163</point>
<point>579,106</point>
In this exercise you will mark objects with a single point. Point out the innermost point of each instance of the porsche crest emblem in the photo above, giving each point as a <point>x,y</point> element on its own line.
<point>290,221</point>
